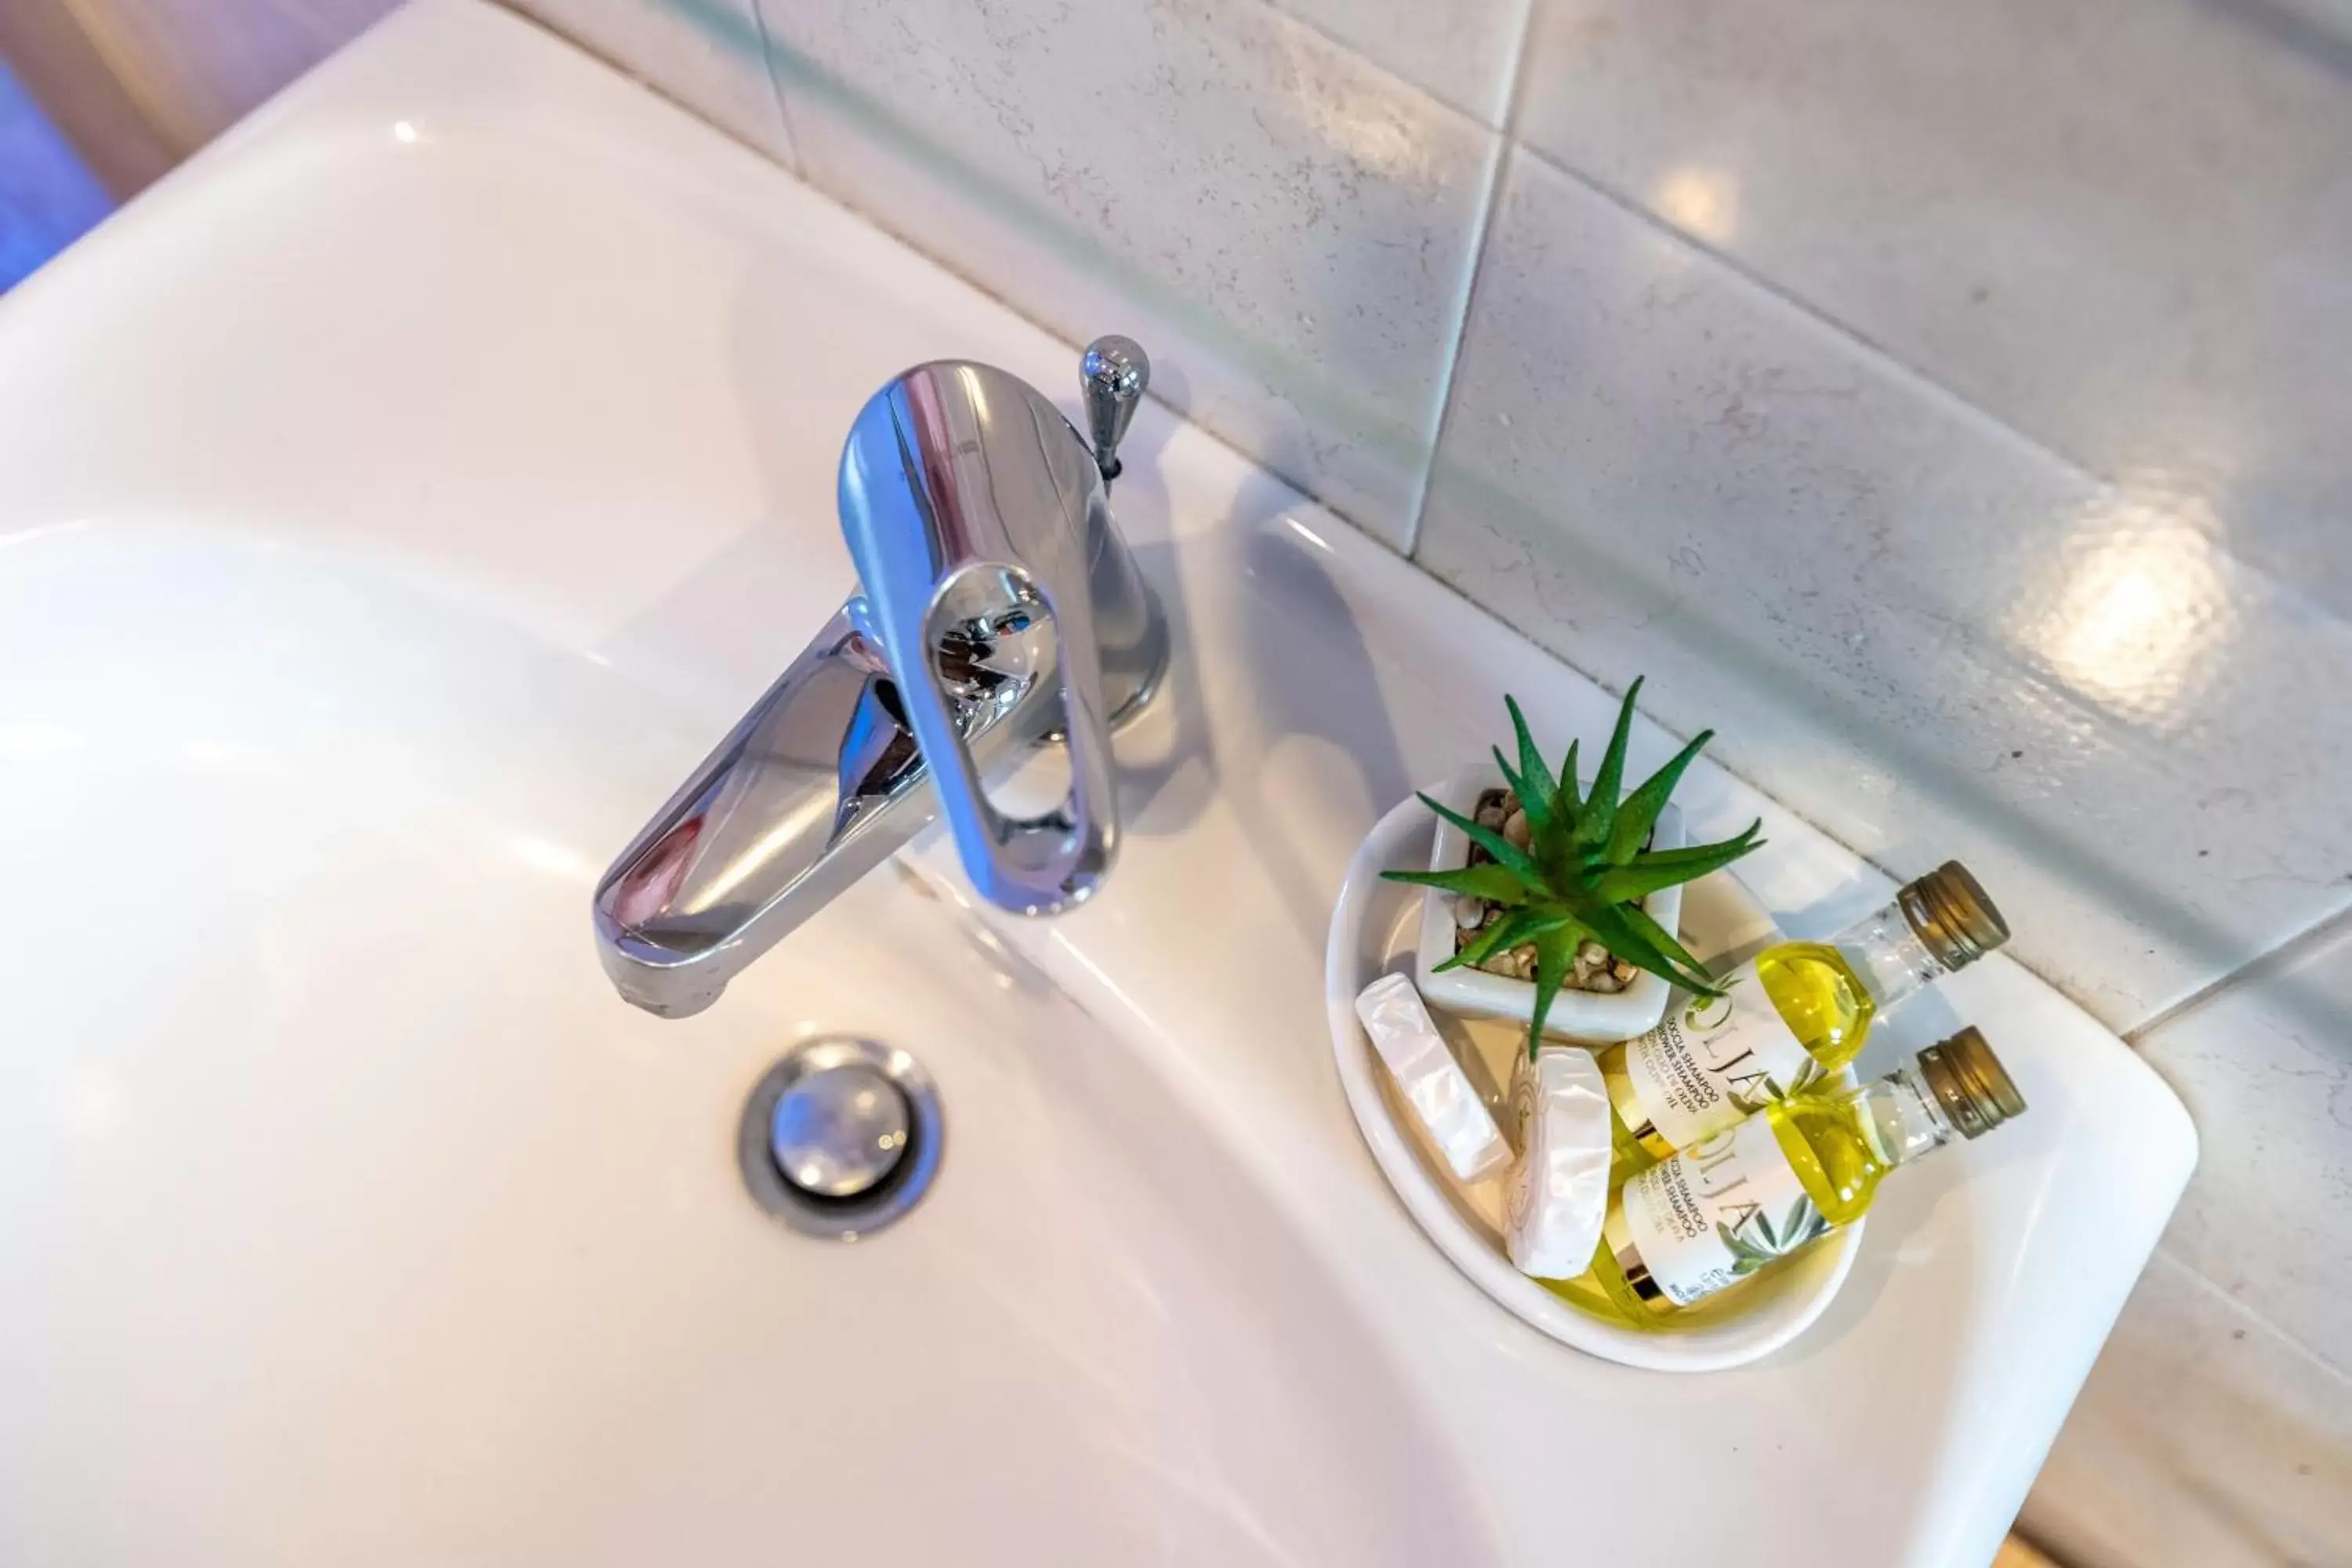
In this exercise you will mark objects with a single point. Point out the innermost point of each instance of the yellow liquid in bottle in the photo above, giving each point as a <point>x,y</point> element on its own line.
<point>1831,1153</point>
<point>1835,1160</point>
<point>1817,995</point>
<point>1820,997</point>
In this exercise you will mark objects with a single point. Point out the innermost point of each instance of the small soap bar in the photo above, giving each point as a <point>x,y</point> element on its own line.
<point>1434,1084</point>
<point>1558,1190</point>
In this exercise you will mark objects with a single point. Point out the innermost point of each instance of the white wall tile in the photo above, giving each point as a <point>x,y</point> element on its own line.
<point>2265,1066</point>
<point>704,54</point>
<point>1461,51</point>
<point>1924,633</point>
<point>1287,227</point>
<point>2203,1439</point>
<point>2124,227</point>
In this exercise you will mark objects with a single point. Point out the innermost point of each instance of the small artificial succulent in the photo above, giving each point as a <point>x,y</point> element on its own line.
<point>1586,864</point>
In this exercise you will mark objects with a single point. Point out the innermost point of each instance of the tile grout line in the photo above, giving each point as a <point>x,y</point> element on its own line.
<point>1324,35</point>
<point>1821,317</point>
<point>2275,958</point>
<point>775,87</point>
<point>1489,202</point>
<point>2207,1285</point>
<point>1882,355</point>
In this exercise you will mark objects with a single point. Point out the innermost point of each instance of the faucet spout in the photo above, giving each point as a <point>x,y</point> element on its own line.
<point>1000,612</point>
<point>817,785</point>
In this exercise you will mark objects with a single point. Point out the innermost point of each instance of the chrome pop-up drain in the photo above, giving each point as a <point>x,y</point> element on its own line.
<point>841,1137</point>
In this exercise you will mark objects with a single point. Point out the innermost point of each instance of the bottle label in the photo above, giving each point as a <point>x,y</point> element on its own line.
<point>1710,1061</point>
<point>1717,1212</point>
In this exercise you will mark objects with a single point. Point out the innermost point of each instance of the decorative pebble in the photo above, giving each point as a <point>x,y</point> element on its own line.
<point>1623,972</point>
<point>1515,831</point>
<point>1469,913</point>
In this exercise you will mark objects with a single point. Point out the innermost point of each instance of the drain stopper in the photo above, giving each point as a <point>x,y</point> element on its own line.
<point>839,1131</point>
<point>841,1137</point>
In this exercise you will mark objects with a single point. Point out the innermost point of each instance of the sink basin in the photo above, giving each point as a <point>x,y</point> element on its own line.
<point>400,501</point>
<point>335,1122</point>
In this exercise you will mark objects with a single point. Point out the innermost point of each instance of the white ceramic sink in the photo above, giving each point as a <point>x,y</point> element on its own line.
<point>345,1190</point>
<point>396,504</point>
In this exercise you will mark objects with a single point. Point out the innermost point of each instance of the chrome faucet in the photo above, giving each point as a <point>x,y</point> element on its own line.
<point>999,612</point>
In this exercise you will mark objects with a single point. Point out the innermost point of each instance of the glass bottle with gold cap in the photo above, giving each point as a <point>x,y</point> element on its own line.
<point>1788,1017</point>
<point>1738,1202</point>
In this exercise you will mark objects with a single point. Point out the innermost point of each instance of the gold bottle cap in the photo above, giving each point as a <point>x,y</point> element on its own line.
<point>1969,1081</point>
<point>1949,911</point>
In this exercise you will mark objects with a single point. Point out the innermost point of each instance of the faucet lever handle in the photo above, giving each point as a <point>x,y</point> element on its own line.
<point>1113,376</point>
<point>977,518</point>
<point>993,634</point>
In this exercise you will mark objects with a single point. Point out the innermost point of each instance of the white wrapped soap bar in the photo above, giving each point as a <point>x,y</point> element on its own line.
<point>1434,1083</point>
<point>1559,1191</point>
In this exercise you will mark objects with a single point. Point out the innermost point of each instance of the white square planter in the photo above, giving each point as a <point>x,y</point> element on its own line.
<point>1587,1017</point>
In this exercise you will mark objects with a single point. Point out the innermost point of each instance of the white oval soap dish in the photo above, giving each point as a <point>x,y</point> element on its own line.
<point>1374,931</point>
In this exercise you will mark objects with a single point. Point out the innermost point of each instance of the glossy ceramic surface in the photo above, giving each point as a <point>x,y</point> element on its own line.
<point>399,500</point>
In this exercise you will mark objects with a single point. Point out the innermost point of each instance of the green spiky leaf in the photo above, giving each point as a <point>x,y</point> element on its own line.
<point>1662,939</point>
<point>1534,783</point>
<point>1555,960</point>
<point>1600,815</point>
<point>1492,842</point>
<point>1494,884</point>
<point>1554,851</point>
<point>1648,874</point>
<point>1586,866</point>
<point>1698,857</point>
<point>1638,814</point>
<point>1617,931</point>
<point>1509,931</point>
